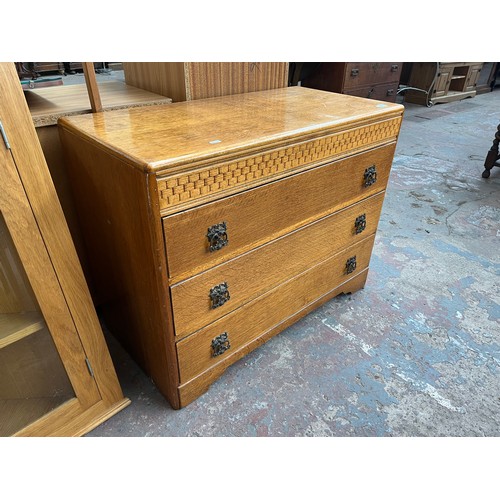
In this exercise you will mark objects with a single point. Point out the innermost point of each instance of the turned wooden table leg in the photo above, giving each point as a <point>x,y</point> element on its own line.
<point>493,156</point>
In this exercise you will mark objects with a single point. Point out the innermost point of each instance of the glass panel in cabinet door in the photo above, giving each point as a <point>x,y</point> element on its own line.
<point>41,353</point>
<point>33,380</point>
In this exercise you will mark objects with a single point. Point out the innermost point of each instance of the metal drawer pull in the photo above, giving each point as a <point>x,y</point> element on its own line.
<point>219,295</point>
<point>370,176</point>
<point>350,265</point>
<point>354,72</point>
<point>360,223</point>
<point>394,67</point>
<point>217,236</point>
<point>220,344</point>
<point>390,92</point>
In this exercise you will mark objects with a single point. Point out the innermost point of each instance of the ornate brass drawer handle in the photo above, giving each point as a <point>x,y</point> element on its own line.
<point>217,236</point>
<point>360,223</point>
<point>350,265</point>
<point>355,72</point>
<point>370,176</point>
<point>220,344</point>
<point>219,295</point>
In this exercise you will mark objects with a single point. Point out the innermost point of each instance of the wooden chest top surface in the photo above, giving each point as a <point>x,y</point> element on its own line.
<point>156,138</point>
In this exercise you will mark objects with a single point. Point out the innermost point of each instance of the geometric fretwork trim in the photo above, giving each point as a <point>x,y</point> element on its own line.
<point>179,189</point>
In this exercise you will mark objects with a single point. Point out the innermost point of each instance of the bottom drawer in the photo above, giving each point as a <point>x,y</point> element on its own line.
<point>224,338</point>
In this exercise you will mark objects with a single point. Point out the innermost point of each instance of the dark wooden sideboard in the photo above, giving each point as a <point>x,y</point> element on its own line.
<point>373,80</point>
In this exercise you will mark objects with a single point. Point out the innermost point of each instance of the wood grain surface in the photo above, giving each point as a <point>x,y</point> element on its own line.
<point>207,183</point>
<point>198,80</point>
<point>40,191</point>
<point>92,87</point>
<point>47,105</point>
<point>71,420</point>
<point>195,387</point>
<point>253,273</point>
<point>41,277</point>
<point>36,222</point>
<point>14,327</point>
<point>262,214</point>
<point>213,79</point>
<point>124,246</point>
<point>164,78</point>
<point>256,317</point>
<point>159,138</point>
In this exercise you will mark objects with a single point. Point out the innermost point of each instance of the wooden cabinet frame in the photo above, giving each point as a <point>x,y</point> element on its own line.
<point>38,228</point>
<point>431,83</point>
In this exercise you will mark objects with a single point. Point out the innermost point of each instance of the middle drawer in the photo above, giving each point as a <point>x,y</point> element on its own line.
<point>200,300</point>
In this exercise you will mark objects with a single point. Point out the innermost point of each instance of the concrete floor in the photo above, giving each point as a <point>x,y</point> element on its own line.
<point>416,353</point>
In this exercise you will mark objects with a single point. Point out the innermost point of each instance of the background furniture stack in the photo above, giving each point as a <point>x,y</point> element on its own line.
<point>185,81</point>
<point>442,81</point>
<point>374,80</point>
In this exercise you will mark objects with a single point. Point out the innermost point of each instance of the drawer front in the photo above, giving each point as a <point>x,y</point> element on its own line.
<point>361,74</point>
<point>185,190</point>
<point>225,337</point>
<point>443,80</point>
<point>195,387</point>
<point>472,77</point>
<point>205,236</point>
<point>382,92</point>
<point>204,298</point>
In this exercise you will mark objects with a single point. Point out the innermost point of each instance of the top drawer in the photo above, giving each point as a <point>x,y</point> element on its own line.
<point>202,182</point>
<point>359,74</point>
<point>205,236</point>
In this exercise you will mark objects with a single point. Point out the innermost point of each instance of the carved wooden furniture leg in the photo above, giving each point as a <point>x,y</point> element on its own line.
<point>493,156</point>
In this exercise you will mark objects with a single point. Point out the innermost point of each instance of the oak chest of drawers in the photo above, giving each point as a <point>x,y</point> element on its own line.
<point>212,225</point>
